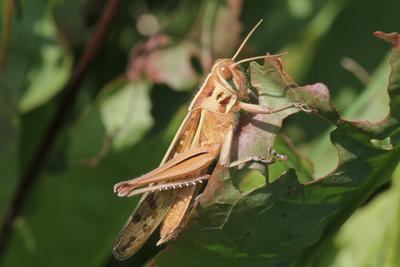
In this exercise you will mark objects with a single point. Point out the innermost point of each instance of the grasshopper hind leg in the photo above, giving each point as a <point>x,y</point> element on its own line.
<point>141,224</point>
<point>188,198</point>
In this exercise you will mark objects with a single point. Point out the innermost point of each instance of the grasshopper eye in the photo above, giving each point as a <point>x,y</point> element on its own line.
<point>226,73</point>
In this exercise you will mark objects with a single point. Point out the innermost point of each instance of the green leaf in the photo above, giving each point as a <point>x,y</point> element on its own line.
<point>38,63</point>
<point>370,237</point>
<point>284,222</point>
<point>370,104</point>
<point>125,112</point>
<point>48,77</point>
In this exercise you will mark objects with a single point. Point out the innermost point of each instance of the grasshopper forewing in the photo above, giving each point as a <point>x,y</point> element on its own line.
<point>203,138</point>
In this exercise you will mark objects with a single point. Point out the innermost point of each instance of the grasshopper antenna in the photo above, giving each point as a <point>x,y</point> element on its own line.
<point>259,57</point>
<point>246,39</point>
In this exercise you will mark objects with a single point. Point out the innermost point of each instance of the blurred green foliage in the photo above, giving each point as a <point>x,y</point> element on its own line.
<point>134,96</point>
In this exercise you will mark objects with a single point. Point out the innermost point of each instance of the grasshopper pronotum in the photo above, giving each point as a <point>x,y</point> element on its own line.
<point>205,136</point>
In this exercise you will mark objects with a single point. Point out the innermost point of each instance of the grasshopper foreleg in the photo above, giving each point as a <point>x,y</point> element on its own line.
<point>259,109</point>
<point>252,159</point>
<point>259,159</point>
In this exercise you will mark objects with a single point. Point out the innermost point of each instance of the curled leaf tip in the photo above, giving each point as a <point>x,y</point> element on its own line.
<point>393,38</point>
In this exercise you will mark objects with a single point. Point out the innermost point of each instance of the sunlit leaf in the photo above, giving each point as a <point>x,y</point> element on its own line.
<point>370,237</point>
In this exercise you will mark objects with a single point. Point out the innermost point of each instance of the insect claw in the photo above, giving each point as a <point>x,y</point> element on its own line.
<point>303,107</point>
<point>257,158</point>
<point>283,157</point>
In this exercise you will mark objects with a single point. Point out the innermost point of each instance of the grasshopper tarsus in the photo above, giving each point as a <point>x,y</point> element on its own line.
<point>252,159</point>
<point>303,107</point>
<point>279,156</point>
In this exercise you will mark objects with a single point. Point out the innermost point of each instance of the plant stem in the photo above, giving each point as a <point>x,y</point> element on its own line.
<point>30,174</point>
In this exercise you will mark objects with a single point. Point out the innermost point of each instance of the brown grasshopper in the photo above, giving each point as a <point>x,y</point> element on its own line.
<point>205,136</point>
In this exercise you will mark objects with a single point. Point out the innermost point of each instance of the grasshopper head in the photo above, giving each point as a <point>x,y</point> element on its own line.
<point>230,78</point>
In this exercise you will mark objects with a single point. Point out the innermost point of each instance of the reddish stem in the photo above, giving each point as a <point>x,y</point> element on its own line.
<point>30,175</point>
